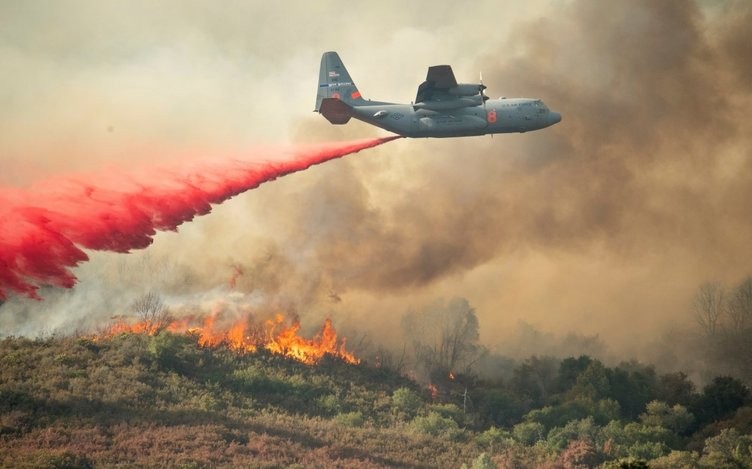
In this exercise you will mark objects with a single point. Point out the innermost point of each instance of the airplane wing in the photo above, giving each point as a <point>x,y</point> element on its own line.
<point>439,80</point>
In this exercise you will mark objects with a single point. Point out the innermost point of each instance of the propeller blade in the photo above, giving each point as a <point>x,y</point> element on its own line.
<point>483,96</point>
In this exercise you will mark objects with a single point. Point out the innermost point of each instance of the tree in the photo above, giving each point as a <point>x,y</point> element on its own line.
<point>646,441</point>
<point>736,347</point>
<point>569,369</point>
<point>708,307</point>
<point>500,406</point>
<point>633,385</point>
<point>593,383</point>
<point>677,459</point>
<point>576,430</point>
<point>444,336</point>
<point>676,418</point>
<point>739,306</point>
<point>580,454</point>
<point>151,310</point>
<point>535,379</point>
<point>719,399</point>
<point>729,449</point>
<point>675,388</point>
<point>725,319</point>
<point>601,412</point>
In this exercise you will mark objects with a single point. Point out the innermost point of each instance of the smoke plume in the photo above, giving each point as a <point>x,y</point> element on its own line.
<point>44,229</point>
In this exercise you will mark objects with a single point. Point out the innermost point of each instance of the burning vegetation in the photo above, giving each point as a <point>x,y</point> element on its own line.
<point>278,335</point>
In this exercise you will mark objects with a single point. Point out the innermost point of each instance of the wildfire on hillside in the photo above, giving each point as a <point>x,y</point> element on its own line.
<point>277,335</point>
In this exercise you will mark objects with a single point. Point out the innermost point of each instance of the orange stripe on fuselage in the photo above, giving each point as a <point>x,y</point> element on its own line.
<point>355,95</point>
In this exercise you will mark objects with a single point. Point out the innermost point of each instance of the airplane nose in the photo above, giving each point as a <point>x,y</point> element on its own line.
<point>553,118</point>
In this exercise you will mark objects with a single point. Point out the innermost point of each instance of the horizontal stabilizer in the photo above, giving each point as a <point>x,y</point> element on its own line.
<point>335,110</point>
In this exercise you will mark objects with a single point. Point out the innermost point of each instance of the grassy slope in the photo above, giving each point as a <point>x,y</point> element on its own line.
<point>164,401</point>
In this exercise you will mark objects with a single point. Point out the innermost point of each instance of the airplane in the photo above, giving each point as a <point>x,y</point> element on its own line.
<point>442,108</point>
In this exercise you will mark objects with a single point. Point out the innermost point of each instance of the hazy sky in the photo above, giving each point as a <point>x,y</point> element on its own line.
<point>603,224</point>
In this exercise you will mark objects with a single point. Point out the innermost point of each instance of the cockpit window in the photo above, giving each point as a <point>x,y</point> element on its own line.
<point>542,109</point>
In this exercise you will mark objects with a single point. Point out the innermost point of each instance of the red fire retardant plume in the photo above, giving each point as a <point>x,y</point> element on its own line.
<point>44,229</point>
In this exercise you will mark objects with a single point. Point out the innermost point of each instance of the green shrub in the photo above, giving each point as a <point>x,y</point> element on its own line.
<point>602,412</point>
<point>528,433</point>
<point>493,439</point>
<point>676,418</point>
<point>256,380</point>
<point>449,411</point>
<point>728,449</point>
<point>328,404</point>
<point>435,425</point>
<point>483,462</point>
<point>636,432</point>
<point>350,419</point>
<point>676,459</point>
<point>406,401</point>
<point>648,450</point>
<point>500,406</point>
<point>583,430</point>
<point>174,352</point>
<point>207,401</point>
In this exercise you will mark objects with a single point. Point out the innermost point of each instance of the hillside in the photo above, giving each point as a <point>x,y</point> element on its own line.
<point>165,401</point>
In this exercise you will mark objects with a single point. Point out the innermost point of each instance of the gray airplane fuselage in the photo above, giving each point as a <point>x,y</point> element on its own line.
<point>442,108</point>
<point>498,116</point>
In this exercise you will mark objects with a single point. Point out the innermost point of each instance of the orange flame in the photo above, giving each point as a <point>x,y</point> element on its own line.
<point>288,342</point>
<point>241,336</point>
<point>434,391</point>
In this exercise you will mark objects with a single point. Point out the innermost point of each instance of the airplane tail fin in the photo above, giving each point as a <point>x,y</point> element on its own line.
<point>336,83</point>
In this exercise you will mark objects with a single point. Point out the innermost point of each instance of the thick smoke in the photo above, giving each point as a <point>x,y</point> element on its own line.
<point>603,225</point>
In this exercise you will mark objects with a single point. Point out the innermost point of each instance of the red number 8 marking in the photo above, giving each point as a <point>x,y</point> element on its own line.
<point>491,117</point>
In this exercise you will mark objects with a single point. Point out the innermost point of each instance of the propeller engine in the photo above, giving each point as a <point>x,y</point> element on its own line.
<point>481,89</point>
